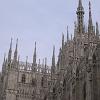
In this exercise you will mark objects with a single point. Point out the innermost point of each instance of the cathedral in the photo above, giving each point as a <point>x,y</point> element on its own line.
<point>75,76</point>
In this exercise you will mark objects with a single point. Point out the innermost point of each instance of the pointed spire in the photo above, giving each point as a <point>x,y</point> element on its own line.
<point>90,24</point>
<point>97,30</point>
<point>45,65</point>
<point>53,61</point>
<point>26,63</point>
<point>10,53</point>
<point>71,37</point>
<point>26,60</point>
<point>45,62</point>
<point>53,57</point>
<point>39,61</point>
<point>67,34</point>
<point>90,15</point>
<point>18,59</point>
<point>39,64</point>
<point>62,40</point>
<point>4,57</point>
<point>4,65</point>
<point>4,61</point>
<point>34,56</point>
<point>80,17</point>
<point>80,4</point>
<point>11,44</point>
<point>16,52</point>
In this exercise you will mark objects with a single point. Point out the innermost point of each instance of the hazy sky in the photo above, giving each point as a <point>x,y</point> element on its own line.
<point>42,21</point>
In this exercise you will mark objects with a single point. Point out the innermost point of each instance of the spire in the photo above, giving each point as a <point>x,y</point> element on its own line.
<point>10,53</point>
<point>97,30</point>
<point>53,57</point>
<point>67,34</point>
<point>84,29</point>
<point>53,61</point>
<point>34,60</point>
<point>39,62</point>
<point>18,59</point>
<point>16,51</point>
<point>90,24</point>
<point>80,16</point>
<point>4,58</point>
<point>80,4</point>
<point>90,15</point>
<point>34,56</point>
<point>71,37</point>
<point>62,40</point>
<point>80,7</point>
<point>4,65</point>
<point>45,62</point>
<point>45,65</point>
<point>26,63</point>
<point>4,61</point>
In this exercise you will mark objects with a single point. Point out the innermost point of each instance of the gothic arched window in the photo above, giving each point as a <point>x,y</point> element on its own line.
<point>23,78</point>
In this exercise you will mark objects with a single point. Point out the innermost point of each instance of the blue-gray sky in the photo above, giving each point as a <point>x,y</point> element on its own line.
<point>42,21</point>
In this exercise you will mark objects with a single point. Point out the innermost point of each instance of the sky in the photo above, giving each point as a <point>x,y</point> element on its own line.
<point>42,21</point>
